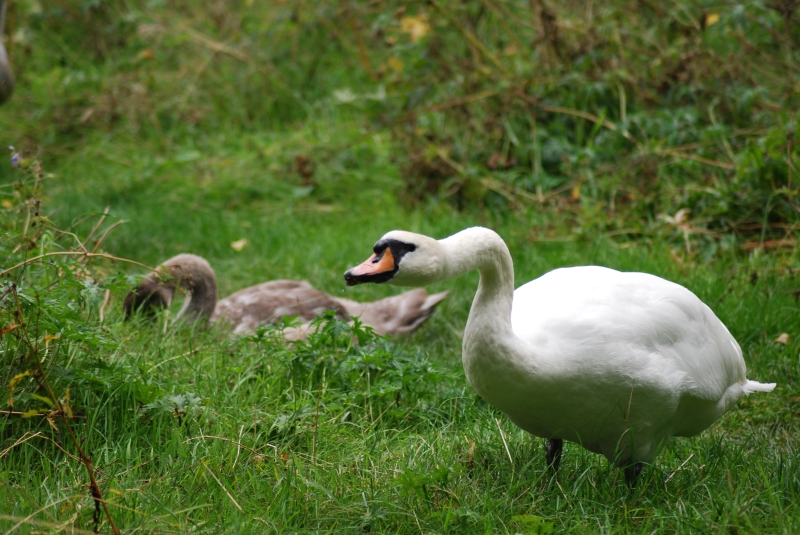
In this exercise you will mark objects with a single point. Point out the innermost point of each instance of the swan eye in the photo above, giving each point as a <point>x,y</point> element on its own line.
<point>378,256</point>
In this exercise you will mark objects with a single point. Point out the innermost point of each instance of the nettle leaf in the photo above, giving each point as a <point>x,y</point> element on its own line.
<point>534,525</point>
<point>187,404</point>
<point>92,292</point>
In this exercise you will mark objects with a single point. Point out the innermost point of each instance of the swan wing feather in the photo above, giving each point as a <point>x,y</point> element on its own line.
<point>265,303</point>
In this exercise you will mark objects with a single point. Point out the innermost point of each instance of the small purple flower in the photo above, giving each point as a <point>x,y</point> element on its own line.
<point>15,160</point>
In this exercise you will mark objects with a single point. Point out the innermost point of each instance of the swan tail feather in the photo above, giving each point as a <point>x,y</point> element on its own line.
<point>754,386</point>
<point>433,300</point>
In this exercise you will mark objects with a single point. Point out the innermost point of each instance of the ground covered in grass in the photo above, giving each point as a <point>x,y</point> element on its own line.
<point>193,430</point>
<point>213,140</point>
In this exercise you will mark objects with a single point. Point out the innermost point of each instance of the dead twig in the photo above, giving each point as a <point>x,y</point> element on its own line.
<point>216,46</point>
<point>769,244</point>
<point>75,253</point>
<point>575,113</point>
<point>474,41</point>
<point>503,437</point>
<point>630,401</point>
<point>97,225</point>
<point>28,520</point>
<point>103,306</point>
<point>23,439</point>
<point>239,507</point>
<point>676,470</point>
<point>102,238</point>
<point>700,159</point>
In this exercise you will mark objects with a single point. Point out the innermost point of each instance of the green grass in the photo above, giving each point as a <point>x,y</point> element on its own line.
<point>276,444</point>
<point>195,431</point>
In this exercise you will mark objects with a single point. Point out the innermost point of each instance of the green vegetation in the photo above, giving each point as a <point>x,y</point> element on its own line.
<point>642,136</point>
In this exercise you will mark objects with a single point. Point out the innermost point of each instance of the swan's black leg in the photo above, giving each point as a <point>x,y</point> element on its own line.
<point>552,452</point>
<point>632,473</point>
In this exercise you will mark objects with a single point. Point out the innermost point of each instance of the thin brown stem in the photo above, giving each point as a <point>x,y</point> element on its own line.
<point>75,253</point>
<point>106,299</point>
<point>104,235</point>
<point>97,225</point>
<point>97,496</point>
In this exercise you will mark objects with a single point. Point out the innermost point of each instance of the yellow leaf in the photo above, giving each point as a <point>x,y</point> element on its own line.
<point>576,192</point>
<point>396,64</point>
<point>783,338</point>
<point>711,19</point>
<point>238,245</point>
<point>65,405</point>
<point>147,53</point>
<point>52,423</point>
<point>115,491</point>
<point>13,384</point>
<point>7,204</point>
<point>51,337</point>
<point>30,413</point>
<point>42,399</point>
<point>8,328</point>
<point>416,27</point>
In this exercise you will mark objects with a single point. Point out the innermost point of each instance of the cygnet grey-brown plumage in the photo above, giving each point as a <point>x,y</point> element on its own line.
<point>268,302</point>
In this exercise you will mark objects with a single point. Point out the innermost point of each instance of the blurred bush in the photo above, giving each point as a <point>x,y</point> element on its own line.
<point>626,117</point>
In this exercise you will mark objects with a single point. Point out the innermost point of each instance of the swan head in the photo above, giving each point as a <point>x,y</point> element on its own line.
<point>402,259</point>
<point>190,272</point>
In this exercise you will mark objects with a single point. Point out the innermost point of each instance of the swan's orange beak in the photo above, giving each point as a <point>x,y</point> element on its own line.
<point>372,269</point>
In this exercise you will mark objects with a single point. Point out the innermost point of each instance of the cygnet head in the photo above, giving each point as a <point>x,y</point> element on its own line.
<point>402,259</point>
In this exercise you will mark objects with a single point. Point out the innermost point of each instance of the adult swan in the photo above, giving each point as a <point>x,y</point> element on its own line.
<point>6,77</point>
<point>617,362</point>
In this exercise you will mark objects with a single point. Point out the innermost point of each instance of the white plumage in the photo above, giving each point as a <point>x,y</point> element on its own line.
<point>617,362</point>
<point>6,76</point>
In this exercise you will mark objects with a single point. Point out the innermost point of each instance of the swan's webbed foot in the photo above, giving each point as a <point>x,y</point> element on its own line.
<point>632,473</point>
<point>552,452</point>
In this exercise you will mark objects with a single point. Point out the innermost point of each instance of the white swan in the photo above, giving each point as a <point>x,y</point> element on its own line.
<point>6,76</point>
<point>617,362</point>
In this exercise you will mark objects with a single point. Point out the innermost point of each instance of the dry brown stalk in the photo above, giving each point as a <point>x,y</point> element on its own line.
<point>474,41</point>
<point>41,378</point>
<point>575,113</point>
<point>75,253</point>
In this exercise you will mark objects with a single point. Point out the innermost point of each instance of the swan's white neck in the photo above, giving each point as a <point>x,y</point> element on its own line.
<point>491,351</point>
<point>490,316</point>
<point>482,249</point>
